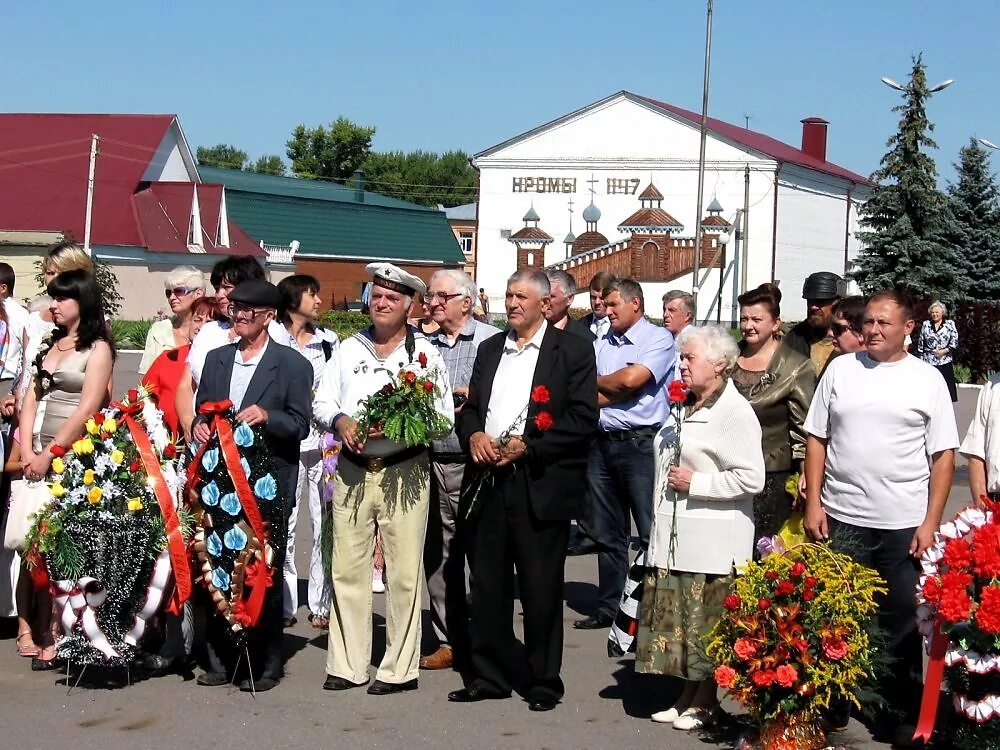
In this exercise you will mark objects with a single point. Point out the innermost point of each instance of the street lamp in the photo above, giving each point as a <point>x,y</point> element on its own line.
<point>988,144</point>
<point>932,90</point>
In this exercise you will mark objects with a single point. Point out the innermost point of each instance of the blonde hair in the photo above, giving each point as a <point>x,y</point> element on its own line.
<point>188,276</point>
<point>67,256</point>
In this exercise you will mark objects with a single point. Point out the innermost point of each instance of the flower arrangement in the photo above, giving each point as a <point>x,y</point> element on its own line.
<point>403,409</point>
<point>958,610</point>
<point>797,632</point>
<point>112,533</point>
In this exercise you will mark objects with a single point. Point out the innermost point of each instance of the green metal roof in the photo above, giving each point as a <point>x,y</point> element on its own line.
<point>327,219</point>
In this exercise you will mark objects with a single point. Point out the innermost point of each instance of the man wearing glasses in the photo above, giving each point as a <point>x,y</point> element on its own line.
<point>269,384</point>
<point>450,300</point>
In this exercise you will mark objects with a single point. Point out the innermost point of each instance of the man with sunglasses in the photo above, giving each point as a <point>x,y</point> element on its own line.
<point>269,384</point>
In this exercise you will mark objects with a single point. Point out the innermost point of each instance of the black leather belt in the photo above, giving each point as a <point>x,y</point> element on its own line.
<point>621,435</point>
<point>373,464</point>
<point>444,457</point>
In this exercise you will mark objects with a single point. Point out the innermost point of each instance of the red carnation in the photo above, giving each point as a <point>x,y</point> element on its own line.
<point>958,554</point>
<point>798,570</point>
<point>133,395</point>
<point>986,551</point>
<point>955,605</point>
<point>540,394</point>
<point>135,466</point>
<point>810,582</point>
<point>988,611</point>
<point>772,575</point>
<point>763,604</point>
<point>543,421</point>
<point>677,392</point>
<point>785,588</point>
<point>932,590</point>
<point>99,418</point>
<point>835,648</point>
<point>808,595</point>
<point>763,678</point>
<point>57,450</point>
<point>422,359</point>
<point>732,602</point>
<point>786,675</point>
<point>170,451</point>
<point>387,389</point>
<point>410,377</point>
<point>428,386</point>
<point>801,644</point>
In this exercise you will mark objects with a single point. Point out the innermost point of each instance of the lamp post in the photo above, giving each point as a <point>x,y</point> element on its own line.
<point>724,241</point>
<point>701,157</point>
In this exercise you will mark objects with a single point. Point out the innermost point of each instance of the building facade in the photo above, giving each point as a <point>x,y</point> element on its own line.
<point>614,185</point>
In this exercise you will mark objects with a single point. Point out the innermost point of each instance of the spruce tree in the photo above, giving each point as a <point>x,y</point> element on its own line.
<point>974,210</point>
<point>905,224</point>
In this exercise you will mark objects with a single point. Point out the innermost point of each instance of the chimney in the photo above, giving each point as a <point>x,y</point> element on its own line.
<point>814,137</point>
<point>359,185</point>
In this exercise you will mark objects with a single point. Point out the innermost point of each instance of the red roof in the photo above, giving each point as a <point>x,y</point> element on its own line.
<point>163,210</point>
<point>763,143</point>
<point>531,234</point>
<point>650,218</point>
<point>44,163</point>
<point>588,241</point>
<point>651,193</point>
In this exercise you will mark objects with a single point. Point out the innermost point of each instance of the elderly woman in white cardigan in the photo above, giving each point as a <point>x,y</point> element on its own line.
<point>702,525</point>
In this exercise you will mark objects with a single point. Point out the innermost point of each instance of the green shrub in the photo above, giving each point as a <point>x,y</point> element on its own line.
<point>963,374</point>
<point>130,334</point>
<point>344,322</point>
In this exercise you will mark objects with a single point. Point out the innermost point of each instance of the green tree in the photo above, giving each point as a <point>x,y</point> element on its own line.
<point>974,210</point>
<point>268,164</point>
<point>334,154</point>
<point>422,177</point>
<point>222,155</point>
<point>106,280</point>
<point>905,224</point>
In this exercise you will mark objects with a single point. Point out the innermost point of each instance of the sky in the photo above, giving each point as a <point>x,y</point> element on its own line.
<point>467,75</point>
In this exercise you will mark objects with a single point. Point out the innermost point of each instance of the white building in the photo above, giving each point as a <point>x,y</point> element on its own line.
<point>802,209</point>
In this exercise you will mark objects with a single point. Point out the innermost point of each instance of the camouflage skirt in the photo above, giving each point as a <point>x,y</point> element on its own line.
<point>676,611</point>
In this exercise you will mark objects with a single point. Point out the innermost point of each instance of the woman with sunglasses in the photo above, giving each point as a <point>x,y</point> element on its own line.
<point>184,286</point>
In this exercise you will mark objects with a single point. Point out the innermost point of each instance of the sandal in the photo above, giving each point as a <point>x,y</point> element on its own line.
<point>42,664</point>
<point>319,622</point>
<point>28,649</point>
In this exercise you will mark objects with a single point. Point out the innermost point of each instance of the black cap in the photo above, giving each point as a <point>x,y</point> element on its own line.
<point>256,292</point>
<point>823,285</point>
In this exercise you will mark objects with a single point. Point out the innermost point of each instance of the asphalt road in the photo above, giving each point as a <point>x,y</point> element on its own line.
<point>606,704</point>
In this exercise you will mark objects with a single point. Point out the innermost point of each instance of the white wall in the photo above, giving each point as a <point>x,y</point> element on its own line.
<point>172,160</point>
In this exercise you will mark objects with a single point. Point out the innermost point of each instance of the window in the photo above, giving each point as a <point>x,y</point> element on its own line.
<point>504,234</point>
<point>465,240</point>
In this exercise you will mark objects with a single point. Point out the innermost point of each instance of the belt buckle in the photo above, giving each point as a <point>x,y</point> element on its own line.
<point>376,464</point>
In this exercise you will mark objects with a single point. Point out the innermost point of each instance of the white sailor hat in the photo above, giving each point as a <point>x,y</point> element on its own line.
<point>395,278</point>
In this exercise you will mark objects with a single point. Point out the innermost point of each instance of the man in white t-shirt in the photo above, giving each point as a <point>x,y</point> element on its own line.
<point>879,464</point>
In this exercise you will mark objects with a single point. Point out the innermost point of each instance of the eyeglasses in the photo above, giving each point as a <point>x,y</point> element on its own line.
<point>443,296</point>
<point>839,328</point>
<point>235,311</point>
<point>178,291</point>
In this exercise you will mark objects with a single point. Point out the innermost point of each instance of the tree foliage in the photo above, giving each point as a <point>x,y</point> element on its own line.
<point>905,223</point>
<point>422,177</point>
<point>106,280</point>
<point>974,211</point>
<point>222,155</point>
<point>268,164</point>
<point>318,153</point>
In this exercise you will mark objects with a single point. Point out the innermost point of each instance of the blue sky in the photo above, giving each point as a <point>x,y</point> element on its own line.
<point>445,75</point>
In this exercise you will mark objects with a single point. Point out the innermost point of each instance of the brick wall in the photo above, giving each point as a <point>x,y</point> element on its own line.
<point>340,279</point>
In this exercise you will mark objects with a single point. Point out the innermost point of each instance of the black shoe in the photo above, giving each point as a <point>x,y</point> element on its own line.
<point>575,550</point>
<point>388,688</point>
<point>339,683</point>
<point>542,703</point>
<point>261,685</point>
<point>44,665</point>
<point>474,695</point>
<point>596,621</point>
<point>212,679</point>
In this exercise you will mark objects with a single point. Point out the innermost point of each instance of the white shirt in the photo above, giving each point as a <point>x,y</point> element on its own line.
<point>11,344</point>
<point>882,421</point>
<point>355,372</point>
<point>983,439</point>
<point>219,333</point>
<point>242,374</point>
<point>34,332</point>
<point>512,384</point>
<point>315,354</point>
<point>600,326</point>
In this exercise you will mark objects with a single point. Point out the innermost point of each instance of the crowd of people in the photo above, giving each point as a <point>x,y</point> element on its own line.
<point>565,438</point>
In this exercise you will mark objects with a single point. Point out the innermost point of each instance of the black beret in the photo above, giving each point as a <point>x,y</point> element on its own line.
<point>257,293</point>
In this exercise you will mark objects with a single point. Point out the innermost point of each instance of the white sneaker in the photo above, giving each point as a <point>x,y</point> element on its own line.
<point>378,585</point>
<point>696,718</point>
<point>666,717</point>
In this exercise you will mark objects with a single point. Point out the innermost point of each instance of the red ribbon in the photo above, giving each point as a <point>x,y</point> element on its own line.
<point>932,684</point>
<point>171,521</point>
<point>259,576</point>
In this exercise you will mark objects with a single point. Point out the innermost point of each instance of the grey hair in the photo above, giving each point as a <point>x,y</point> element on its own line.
<point>564,280</point>
<point>686,299</point>
<point>940,306</point>
<point>629,289</point>
<point>718,344</point>
<point>463,282</point>
<point>536,278</point>
<point>39,303</point>
<point>188,276</point>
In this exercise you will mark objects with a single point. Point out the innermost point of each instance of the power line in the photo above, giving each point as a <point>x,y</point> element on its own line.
<point>42,146</point>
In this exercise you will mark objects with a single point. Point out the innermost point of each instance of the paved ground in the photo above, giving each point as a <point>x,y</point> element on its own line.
<point>606,705</point>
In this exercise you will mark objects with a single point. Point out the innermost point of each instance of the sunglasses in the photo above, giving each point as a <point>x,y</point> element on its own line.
<point>178,291</point>
<point>839,328</point>
<point>241,311</point>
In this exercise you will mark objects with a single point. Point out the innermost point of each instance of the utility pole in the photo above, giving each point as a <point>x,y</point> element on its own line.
<point>94,138</point>
<point>746,227</point>
<point>701,157</point>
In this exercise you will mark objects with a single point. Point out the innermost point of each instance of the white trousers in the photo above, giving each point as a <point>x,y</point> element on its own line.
<point>310,471</point>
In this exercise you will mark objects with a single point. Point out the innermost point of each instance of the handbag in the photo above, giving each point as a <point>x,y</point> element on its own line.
<point>26,499</point>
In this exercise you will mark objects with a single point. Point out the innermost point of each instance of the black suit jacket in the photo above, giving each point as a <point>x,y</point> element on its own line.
<point>581,327</point>
<point>281,385</point>
<point>556,459</point>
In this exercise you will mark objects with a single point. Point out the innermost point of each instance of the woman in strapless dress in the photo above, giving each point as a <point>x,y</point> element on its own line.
<point>71,377</point>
